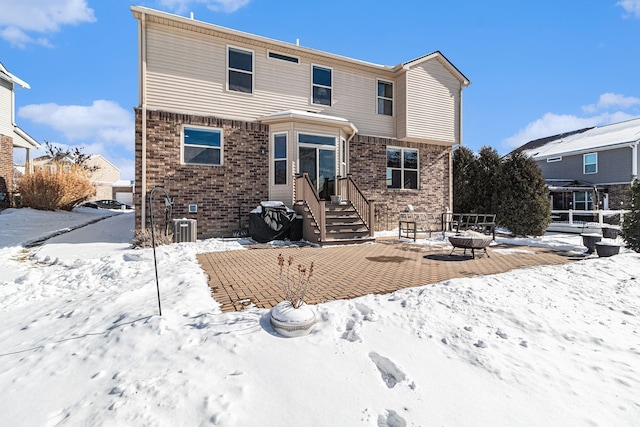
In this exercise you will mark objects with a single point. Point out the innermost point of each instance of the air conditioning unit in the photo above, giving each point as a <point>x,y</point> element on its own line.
<point>184,230</point>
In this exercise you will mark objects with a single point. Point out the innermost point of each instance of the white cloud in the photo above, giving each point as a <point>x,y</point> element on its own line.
<point>632,7</point>
<point>20,18</point>
<point>612,100</point>
<point>100,128</point>
<point>103,121</point>
<point>182,6</point>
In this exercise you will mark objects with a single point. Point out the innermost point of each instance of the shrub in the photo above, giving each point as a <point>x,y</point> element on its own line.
<point>630,231</point>
<point>61,186</point>
<point>142,239</point>
<point>294,286</point>
<point>524,207</point>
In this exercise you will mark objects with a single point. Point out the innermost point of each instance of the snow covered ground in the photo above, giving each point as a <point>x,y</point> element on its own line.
<point>81,342</point>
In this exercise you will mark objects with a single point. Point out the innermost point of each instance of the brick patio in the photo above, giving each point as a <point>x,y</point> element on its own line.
<point>241,278</point>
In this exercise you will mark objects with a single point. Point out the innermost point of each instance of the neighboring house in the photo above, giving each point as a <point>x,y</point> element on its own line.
<point>104,176</point>
<point>11,136</point>
<point>591,168</point>
<point>228,119</point>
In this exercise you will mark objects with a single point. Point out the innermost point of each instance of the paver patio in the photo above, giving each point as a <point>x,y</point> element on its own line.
<point>242,277</point>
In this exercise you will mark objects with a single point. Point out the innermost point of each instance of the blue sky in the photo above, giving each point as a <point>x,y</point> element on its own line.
<point>537,67</point>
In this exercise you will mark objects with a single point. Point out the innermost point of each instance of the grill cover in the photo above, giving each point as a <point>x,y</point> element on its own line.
<point>270,221</point>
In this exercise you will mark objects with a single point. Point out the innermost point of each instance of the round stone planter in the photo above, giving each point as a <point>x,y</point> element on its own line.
<point>610,232</point>
<point>589,240</point>
<point>292,322</point>
<point>605,249</point>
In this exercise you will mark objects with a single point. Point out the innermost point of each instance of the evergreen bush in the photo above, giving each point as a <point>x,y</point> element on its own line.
<point>630,231</point>
<point>524,207</point>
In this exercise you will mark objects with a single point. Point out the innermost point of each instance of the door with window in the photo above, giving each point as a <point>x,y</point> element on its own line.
<point>317,157</point>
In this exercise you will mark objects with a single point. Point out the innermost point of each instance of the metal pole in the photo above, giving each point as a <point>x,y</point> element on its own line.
<point>153,238</point>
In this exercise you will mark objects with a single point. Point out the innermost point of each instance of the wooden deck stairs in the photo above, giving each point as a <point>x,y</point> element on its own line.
<point>324,223</point>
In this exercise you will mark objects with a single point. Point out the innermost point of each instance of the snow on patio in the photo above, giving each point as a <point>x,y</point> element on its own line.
<point>82,343</point>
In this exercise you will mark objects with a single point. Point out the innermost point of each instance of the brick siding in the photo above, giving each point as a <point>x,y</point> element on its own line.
<point>619,196</point>
<point>368,166</point>
<point>221,192</point>
<point>6,170</point>
<point>225,194</point>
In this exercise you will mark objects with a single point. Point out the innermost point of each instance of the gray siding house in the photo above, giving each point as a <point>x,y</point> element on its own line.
<point>227,119</point>
<point>590,168</point>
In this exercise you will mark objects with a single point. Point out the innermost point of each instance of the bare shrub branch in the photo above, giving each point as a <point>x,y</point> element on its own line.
<point>294,286</point>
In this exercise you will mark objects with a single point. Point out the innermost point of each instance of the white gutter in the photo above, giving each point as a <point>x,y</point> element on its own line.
<point>142,48</point>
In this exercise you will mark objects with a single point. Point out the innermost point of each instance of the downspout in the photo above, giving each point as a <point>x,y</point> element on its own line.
<point>634,161</point>
<point>142,79</point>
<point>451,151</point>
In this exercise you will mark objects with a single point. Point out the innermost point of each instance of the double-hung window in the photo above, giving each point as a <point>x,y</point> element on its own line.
<point>240,70</point>
<point>402,168</point>
<point>202,146</point>
<point>385,98</point>
<point>322,85</point>
<point>590,162</point>
<point>280,158</point>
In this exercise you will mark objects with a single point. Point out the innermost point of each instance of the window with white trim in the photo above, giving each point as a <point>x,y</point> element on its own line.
<point>322,85</point>
<point>385,98</point>
<point>583,200</point>
<point>590,162</point>
<point>240,70</point>
<point>280,159</point>
<point>554,159</point>
<point>402,168</point>
<point>202,146</point>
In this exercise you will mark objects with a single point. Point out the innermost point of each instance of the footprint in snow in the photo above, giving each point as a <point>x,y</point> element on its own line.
<point>501,334</point>
<point>391,419</point>
<point>480,344</point>
<point>391,374</point>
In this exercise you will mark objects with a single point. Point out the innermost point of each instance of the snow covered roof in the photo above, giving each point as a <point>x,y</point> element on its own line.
<point>594,139</point>
<point>306,116</point>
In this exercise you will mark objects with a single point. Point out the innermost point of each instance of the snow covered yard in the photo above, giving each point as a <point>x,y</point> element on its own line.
<point>82,344</point>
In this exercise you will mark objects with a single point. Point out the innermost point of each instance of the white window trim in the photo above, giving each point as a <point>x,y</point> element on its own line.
<point>253,69</point>
<point>393,94</point>
<point>402,167</point>
<point>206,128</point>
<point>286,158</point>
<point>584,164</point>
<point>329,87</point>
<point>283,54</point>
<point>554,159</point>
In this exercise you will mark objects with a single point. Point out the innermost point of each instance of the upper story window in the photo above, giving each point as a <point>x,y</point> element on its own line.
<point>322,85</point>
<point>554,159</point>
<point>240,70</point>
<point>402,168</point>
<point>280,158</point>
<point>202,146</point>
<point>590,162</point>
<point>385,98</point>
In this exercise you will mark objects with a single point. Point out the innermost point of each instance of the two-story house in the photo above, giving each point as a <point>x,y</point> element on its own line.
<point>591,168</point>
<point>228,119</point>
<point>11,136</point>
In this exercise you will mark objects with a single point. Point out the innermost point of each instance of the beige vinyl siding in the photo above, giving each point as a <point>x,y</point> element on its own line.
<point>432,102</point>
<point>186,73</point>
<point>6,107</point>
